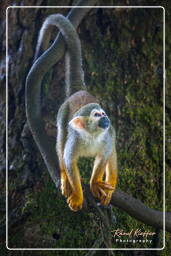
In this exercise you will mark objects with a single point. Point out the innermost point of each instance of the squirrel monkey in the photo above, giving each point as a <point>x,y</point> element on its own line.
<point>83,128</point>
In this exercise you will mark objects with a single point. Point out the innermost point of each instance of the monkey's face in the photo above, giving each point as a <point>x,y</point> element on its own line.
<point>99,119</point>
<point>93,124</point>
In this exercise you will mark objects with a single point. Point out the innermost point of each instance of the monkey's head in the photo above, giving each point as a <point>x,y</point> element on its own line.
<point>95,123</point>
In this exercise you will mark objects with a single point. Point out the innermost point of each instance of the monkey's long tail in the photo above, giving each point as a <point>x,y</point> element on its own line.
<point>33,88</point>
<point>74,75</point>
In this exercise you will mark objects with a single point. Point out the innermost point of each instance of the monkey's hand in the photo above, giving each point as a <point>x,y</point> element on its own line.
<point>103,191</point>
<point>75,201</point>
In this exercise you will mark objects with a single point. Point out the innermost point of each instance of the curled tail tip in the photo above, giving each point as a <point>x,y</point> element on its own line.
<point>42,32</point>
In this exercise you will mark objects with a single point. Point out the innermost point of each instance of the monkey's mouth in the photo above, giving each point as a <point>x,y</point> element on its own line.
<point>104,122</point>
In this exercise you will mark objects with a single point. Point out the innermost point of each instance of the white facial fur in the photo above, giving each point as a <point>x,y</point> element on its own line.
<point>96,114</point>
<point>92,129</point>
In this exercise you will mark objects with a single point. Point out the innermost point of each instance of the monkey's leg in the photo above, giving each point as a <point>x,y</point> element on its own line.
<point>65,185</point>
<point>111,178</point>
<point>97,185</point>
<point>75,200</point>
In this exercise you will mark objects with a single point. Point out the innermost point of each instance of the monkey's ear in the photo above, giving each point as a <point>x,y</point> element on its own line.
<point>78,123</point>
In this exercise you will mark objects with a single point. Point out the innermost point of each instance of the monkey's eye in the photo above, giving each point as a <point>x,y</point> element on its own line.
<point>97,114</point>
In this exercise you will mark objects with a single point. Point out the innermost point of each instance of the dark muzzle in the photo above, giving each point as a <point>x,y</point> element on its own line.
<point>104,122</point>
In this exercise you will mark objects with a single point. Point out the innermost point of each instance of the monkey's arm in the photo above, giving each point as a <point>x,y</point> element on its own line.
<point>97,185</point>
<point>104,189</point>
<point>111,169</point>
<point>62,120</point>
<point>111,174</point>
<point>75,200</point>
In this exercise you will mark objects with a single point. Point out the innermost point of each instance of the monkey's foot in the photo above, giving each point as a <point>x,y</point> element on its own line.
<point>75,202</point>
<point>102,191</point>
<point>66,187</point>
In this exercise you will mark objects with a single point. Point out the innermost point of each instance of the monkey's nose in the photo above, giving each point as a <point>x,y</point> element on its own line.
<point>104,122</point>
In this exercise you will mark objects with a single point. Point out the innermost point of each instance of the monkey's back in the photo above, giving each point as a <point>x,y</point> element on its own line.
<point>72,105</point>
<point>78,100</point>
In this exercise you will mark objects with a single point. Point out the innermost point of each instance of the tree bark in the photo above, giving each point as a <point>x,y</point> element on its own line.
<point>135,208</point>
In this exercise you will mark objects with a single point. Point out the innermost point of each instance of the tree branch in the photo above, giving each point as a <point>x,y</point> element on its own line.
<point>135,208</point>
